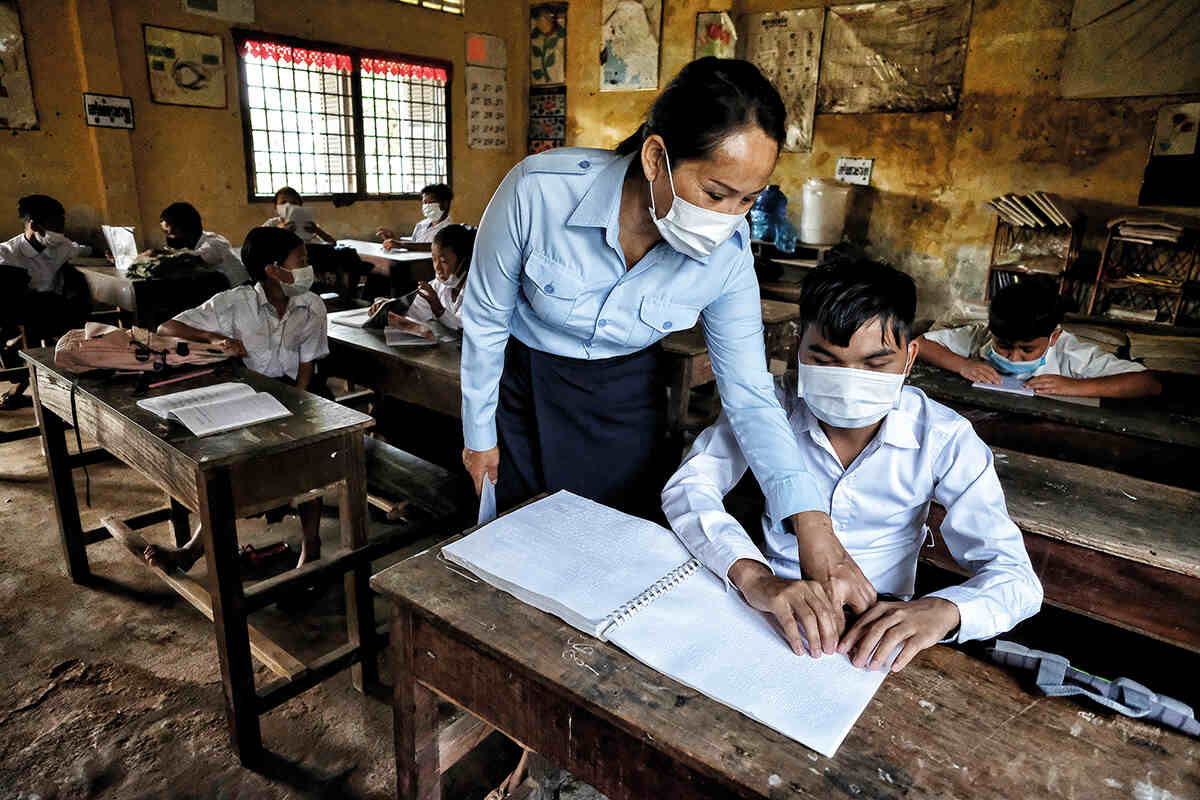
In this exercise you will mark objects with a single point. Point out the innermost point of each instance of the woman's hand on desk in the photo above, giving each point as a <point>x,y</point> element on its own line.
<point>480,463</point>
<point>823,559</point>
<point>798,606</point>
<point>917,624</point>
<point>978,372</point>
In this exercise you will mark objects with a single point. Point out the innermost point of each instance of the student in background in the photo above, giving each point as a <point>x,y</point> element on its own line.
<point>47,308</point>
<point>1023,338</point>
<point>879,452</point>
<point>337,268</point>
<point>277,327</point>
<point>285,198</point>
<point>181,224</point>
<point>435,215</point>
<point>442,299</point>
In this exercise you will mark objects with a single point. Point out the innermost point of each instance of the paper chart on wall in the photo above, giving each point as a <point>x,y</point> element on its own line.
<point>487,108</point>
<point>786,46</point>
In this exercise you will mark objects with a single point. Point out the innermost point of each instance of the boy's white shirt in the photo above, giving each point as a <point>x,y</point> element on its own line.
<point>42,266</point>
<point>275,346</point>
<point>216,250</point>
<point>1069,356</point>
<point>425,230</point>
<point>421,311</point>
<point>923,452</point>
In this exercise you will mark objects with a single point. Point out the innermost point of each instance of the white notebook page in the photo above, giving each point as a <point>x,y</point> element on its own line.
<point>164,405</point>
<point>227,415</point>
<point>711,640</point>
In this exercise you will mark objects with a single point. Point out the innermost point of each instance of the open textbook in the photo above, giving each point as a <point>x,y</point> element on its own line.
<point>631,582</point>
<point>216,409</point>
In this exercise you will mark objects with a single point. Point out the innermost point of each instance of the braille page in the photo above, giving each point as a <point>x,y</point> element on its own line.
<point>228,415</point>
<point>712,641</point>
<point>570,557</point>
<point>163,405</point>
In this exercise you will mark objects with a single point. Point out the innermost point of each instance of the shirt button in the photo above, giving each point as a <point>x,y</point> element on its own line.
<point>602,323</point>
<point>584,164</point>
<point>550,288</point>
<point>667,325</point>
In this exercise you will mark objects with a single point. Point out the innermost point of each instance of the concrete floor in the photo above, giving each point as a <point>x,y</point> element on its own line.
<point>113,691</point>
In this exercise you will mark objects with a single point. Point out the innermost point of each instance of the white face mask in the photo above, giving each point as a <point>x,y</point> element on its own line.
<point>284,211</point>
<point>690,229</point>
<point>453,280</point>
<point>50,238</point>
<point>302,281</point>
<point>431,211</point>
<point>849,398</point>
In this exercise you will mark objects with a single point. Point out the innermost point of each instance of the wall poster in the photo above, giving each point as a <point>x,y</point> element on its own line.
<point>629,45</point>
<point>547,117</point>
<point>786,46</point>
<point>185,68</point>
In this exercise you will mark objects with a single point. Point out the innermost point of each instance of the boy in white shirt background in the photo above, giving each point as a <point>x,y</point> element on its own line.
<point>1023,338</point>
<point>880,452</point>
<point>435,215</point>
<point>46,305</point>
<point>184,230</point>
<point>442,298</point>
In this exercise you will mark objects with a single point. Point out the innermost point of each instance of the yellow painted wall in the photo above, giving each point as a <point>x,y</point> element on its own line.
<point>933,171</point>
<point>197,154</point>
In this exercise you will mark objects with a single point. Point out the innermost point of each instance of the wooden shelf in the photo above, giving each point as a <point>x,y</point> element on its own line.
<point>1150,288</point>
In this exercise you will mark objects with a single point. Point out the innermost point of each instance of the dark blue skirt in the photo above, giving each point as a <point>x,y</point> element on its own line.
<point>595,428</point>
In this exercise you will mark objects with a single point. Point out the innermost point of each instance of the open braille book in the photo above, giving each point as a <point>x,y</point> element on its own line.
<point>216,409</point>
<point>631,582</point>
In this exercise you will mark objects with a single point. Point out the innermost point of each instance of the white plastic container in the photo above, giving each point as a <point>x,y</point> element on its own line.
<point>823,217</point>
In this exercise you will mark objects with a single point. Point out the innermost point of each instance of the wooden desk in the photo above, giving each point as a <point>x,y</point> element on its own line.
<point>426,376</point>
<point>221,478</point>
<point>153,302</point>
<point>403,267</point>
<point>1115,548</point>
<point>948,726</point>
<point>1144,423</point>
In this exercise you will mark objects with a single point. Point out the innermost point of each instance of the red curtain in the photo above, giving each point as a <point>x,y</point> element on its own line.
<point>294,55</point>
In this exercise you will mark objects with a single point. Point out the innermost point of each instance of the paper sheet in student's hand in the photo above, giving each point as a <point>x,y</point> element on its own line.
<point>487,501</point>
<point>122,245</point>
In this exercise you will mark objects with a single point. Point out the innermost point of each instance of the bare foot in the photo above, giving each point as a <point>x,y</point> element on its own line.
<point>170,558</point>
<point>309,551</point>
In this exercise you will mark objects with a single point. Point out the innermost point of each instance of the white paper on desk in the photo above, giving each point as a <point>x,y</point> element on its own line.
<point>122,244</point>
<point>487,501</point>
<point>1008,383</point>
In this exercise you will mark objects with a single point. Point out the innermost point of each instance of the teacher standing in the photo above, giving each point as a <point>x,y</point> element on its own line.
<point>584,260</point>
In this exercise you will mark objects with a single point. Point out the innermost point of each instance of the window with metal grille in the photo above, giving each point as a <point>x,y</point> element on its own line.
<point>449,6</point>
<point>329,120</point>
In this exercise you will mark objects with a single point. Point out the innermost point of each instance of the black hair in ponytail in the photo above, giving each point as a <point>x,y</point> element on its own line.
<point>707,101</point>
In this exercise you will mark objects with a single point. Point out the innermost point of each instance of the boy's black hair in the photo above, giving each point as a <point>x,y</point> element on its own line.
<point>40,209</point>
<point>461,240</point>
<point>289,192</point>
<point>441,193</point>
<point>265,246</point>
<point>184,219</point>
<point>842,298</point>
<point>1024,311</point>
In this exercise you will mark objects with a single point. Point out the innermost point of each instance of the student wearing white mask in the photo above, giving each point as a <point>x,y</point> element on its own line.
<point>442,298</point>
<point>879,453</point>
<point>41,251</point>
<point>585,259</point>
<point>435,215</point>
<point>277,327</point>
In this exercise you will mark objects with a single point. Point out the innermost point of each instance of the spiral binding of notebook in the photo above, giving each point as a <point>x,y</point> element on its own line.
<point>658,588</point>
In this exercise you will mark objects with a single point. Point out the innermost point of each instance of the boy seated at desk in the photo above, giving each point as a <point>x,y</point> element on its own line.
<point>45,306</point>
<point>435,215</point>
<point>442,298</point>
<point>1023,338</point>
<point>336,268</point>
<point>184,229</point>
<point>277,327</point>
<point>879,453</point>
<point>286,199</point>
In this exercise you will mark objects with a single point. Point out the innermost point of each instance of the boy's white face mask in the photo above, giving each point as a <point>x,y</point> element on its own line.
<point>688,228</point>
<point>50,238</point>
<point>284,211</point>
<point>302,281</point>
<point>850,398</point>
<point>431,211</point>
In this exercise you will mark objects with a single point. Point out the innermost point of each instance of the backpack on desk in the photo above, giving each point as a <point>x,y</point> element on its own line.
<point>99,346</point>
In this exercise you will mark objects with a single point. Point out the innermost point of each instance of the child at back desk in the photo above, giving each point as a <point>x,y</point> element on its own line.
<point>184,230</point>
<point>435,215</point>
<point>442,298</point>
<point>1023,337</point>
<point>278,329</point>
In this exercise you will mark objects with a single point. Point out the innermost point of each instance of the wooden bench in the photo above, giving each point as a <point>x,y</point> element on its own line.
<point>1109,546</point>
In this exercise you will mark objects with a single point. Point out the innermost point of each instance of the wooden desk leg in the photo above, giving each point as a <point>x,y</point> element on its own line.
<point>360,603</point>
<point>414,720</point>
<point>66,505</point>
<point>229,614</point>
<point>179,522</point>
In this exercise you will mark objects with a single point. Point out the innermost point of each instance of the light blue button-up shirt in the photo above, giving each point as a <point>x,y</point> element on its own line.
<point>548,269</point>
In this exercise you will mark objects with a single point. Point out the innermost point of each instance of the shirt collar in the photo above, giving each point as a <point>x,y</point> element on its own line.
<point>299,301</point>
<point>600,206</point>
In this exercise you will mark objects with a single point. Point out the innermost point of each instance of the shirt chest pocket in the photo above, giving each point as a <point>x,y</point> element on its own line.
<point>659,317</point>
<point>551,289</point>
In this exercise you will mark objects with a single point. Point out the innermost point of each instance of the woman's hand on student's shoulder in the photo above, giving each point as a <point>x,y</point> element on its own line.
<point>978,371</point>
<point>1056,384</point>
<point>801,608</point>
<point>482,463</point>
<point>915,625</point>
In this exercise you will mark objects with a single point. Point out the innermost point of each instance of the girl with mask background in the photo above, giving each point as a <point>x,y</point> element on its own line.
<point>585,259</point>
<point>277,327</point>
